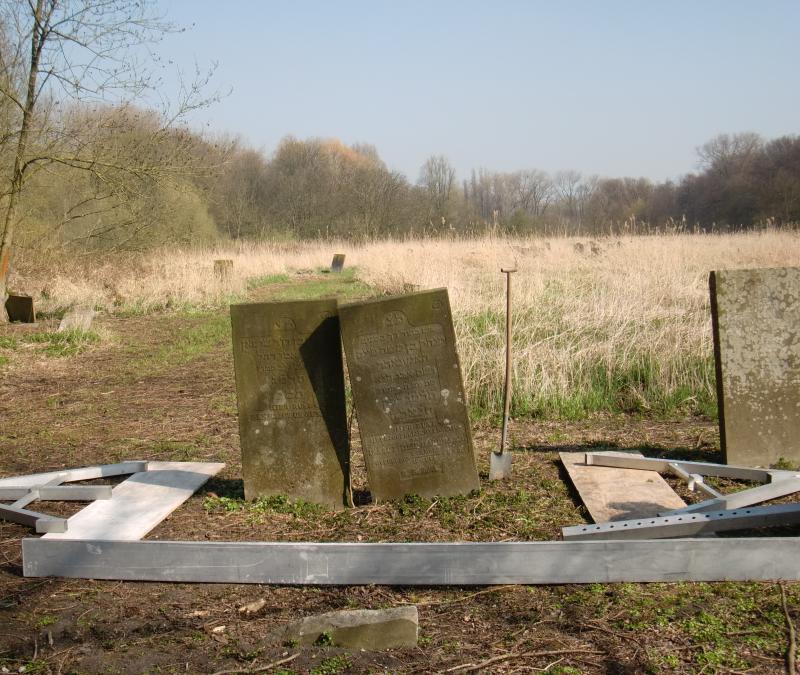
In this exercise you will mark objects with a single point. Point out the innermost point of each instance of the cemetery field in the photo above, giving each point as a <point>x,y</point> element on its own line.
<point>158,385</point>
<point>612,324</point>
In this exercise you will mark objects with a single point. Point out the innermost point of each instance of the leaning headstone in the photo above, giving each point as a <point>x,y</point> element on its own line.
<point>19,307</point>
<point>80,317</point>
<point>409,395</point>
<point>338,262</point>
<point>290,391</point>
<point>756,322</point>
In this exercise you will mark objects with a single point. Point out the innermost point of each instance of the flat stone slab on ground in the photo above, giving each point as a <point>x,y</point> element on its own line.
<point>611,494</point>
<point>290,391</point>
<point>409,395</point>
<point>756,321</point>
<point>371,629</point>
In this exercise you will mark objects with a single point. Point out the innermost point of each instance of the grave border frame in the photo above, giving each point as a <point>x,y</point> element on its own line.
<point>418,564</point>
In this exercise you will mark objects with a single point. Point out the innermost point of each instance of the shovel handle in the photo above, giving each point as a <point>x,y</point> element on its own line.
<point>507,399</point>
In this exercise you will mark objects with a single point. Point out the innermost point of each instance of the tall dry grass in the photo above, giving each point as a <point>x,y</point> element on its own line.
<point>623,323</point>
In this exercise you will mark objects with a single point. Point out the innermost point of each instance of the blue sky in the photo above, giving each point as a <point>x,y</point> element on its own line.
<point>615,88</point>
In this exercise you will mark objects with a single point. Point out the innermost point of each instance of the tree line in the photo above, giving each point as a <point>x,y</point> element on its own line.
<point>86,166</point>
<point>319,187</point>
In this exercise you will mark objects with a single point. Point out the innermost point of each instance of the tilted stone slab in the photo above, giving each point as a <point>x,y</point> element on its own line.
<point>290,393</point>
<point>372,629</point>
<point>409,395</point>
<point>756,322</point>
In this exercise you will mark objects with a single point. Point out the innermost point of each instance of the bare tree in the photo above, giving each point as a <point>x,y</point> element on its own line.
<point>566,185</point>
<point>532,191</point>
<point>727,155</point>
<point>87,51</point>
<point>438,178</point>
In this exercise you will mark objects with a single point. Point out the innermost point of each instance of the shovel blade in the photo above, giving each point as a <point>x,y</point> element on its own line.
<point>500,466</point>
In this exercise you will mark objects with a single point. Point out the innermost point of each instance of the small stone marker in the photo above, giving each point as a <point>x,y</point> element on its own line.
<point>372,629</point>
<point>19,307</point>
<point>78,318</point>
<point>338,262</point>
<point>409,395</point>
<point>223,269</point>
<point>756,322</point>
<point>290,391</point>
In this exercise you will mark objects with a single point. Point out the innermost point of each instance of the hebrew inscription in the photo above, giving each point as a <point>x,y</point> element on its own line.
<point>290,393</point>
<point>756,321</point>
<point>409,395</point>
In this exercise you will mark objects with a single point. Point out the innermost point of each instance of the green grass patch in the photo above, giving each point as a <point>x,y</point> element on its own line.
<point>66,343</point>
<point>8,342</point>
<point>268,280</point>
<point>184,344</point>
<point>343,286</point>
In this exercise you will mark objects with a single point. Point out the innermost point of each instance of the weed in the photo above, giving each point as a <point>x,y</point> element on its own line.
<point>46,621</point>
<point>333,665</point>
<point>324,640</point>
<point>8,342</point>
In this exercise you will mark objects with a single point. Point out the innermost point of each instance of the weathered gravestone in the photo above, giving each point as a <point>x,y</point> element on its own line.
<point>290,392</point>
<point>19,307</point>
<point>409,395</point>
<point>80,317</point>
<point>756,322</point>
<point>338,263</point>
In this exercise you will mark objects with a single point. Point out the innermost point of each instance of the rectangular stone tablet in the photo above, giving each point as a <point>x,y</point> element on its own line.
<point>290,391</point>
<point>337,265</point>
<point>409,395</point>
<point>756,322</point>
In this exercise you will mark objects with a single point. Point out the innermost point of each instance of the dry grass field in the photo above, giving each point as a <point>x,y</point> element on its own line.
<point>618,324</point>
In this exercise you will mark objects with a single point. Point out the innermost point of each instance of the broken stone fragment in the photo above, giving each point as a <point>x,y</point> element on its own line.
<point>371,629</point>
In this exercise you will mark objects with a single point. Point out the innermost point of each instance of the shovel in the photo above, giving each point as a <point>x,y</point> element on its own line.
<point>500,462</point>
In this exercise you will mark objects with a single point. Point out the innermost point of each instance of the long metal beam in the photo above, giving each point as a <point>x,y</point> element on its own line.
<point>87,473</point>
<point>542,562</point>
<point>687,525</point>
<point>702,468</point>
<point>59,493</point>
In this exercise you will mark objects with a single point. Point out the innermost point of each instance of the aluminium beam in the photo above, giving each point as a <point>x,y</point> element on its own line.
<point>702,468</point>
<point>41,521</point>
<point>541,562</point>
<point>57,493</point>
<point>687,525</point>
<point>739,500</point>
<point>87,473</point>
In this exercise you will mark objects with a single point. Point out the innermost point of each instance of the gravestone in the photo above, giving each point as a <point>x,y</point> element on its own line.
<point>290,392</point>
<point>338,263</point>
<point>19,307</point>
<point>756,323</point>
<point>80,317</point>
<point>223,269</point>
<point>409,395</point>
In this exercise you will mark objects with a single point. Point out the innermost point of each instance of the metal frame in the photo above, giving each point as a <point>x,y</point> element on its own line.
<point>540,562</point>
<point>47,487</point>
<point>779,483</point>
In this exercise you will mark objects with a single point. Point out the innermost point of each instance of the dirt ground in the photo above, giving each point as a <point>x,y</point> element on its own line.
<point>161,387</point>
